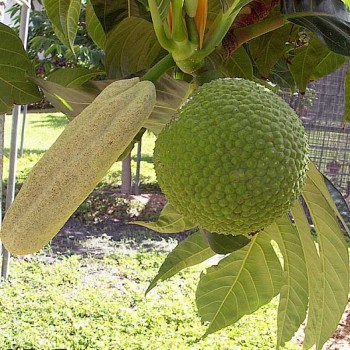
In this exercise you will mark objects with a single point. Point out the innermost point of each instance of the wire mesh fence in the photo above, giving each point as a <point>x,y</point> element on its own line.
<point>321,110</point>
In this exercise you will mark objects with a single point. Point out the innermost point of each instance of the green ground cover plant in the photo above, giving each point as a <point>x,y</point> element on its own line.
<point>85,302</point>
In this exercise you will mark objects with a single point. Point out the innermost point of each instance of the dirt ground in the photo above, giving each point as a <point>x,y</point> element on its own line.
<point>107,231</point>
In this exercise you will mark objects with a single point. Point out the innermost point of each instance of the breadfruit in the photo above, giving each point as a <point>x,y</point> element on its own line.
<point>75,163</point>
<point>234,157</point>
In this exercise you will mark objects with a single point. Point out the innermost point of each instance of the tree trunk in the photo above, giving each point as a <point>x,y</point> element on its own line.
<point>126,175</point>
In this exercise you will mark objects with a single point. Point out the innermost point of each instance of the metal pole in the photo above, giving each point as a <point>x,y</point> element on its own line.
<point>138,168</point>
<point>2,10</point>
<point>11,183</point>
<point>23,129</point>
<point>2,129</point>
<point>10,193</point>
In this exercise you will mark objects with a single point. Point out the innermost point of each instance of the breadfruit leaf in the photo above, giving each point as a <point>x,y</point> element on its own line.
<point>169,221</point>
<point>294,291</point>
<point>69,100</point>
<point>339,201</point>
<point>328,19</point>
<point>64,15</point>
<point>171,94</point>
<point>334,258</point>
<point>225,244</point>
<point>267,49</point>
<point>191,251</point>
<point>220,65</point>
<point>131,47</point>
<point>241,283</point>
<point>94,27</point>
<point>318,180</point>
<point>313,61</point>
<point>71,77</point>
<point>110,12</point>
<point>314,275</point>
<point>15,87</point>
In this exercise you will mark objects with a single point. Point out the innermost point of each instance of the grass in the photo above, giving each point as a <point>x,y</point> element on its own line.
<point>55,301</point>
<point>89,303</point>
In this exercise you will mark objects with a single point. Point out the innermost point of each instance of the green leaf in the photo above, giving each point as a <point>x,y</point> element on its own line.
<point>171,94</point>
<point>339,201</point>
<point>64,15</point>
<point>328,63</point>
<point>241,283</point>
<point>281,75</point>
<point>268,49</point>
<point>131,47</point>
<point>334,258</point>
<point>94,27</point>
<point>238,65</point>
<point>314,273</point>
<point>111,12</point>
<point>225,244</point>
<point>169,221</point>
<point>328,19</point>
<point>294,291</point>
<point>318,180</point>
<point>313,61</point>
<point>73,76</point>
<point>15,87</point>
<point>69,100</point>
<point>191,251</point>
<point>346,117</point>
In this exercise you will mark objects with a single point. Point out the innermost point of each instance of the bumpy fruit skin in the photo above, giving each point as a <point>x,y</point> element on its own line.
<point>75,163</point>
<point>234,158</point>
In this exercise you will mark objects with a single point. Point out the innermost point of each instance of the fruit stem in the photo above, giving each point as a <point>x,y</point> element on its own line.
<point>243,35</point>
<point>159,68</point>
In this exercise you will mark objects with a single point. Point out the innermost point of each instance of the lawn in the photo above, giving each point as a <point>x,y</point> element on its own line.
<point>82,299</point>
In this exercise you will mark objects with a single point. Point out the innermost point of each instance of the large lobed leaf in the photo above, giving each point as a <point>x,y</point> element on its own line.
<point>131,47</point>
<point>111,12</point>
<point>241,283</point>
<point>294,291</point>
<point>71,91</point>
<point>171,94</point>
<point>312,62</point>
<point>94,27</point>
<point>327,307</point>
<point>328,19</point>
<point>268,49</point>
<point>191,251</point>
<point>219,65</point>
<point>15,87</point>
<point>64,15</point>
<point>225,244</point>
<point>169,221</point>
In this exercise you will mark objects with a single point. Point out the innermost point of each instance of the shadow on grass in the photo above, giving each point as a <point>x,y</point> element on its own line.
<point>144,158</point>
<point>51,121</point>
<point>103,235</point>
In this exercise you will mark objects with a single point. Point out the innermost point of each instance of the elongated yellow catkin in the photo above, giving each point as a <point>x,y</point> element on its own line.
<point>76,162</point>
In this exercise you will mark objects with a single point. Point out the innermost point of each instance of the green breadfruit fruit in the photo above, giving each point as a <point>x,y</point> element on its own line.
<point>75,164</point>
<point>234,158</point>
